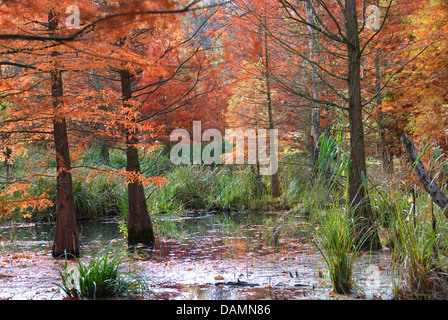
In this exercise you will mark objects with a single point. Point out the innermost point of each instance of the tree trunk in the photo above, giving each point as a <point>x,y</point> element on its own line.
<point>256,169</point>
<point>315,88</point>
<point>9,165</point>
<point>65,242</point>
<point>105,152</point>
<point>275,181</point>
<point>358,198</point>
<point>66,232</point>
<point>139,224</point>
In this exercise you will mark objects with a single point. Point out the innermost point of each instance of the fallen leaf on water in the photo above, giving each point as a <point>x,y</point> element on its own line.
<point>219,278</point>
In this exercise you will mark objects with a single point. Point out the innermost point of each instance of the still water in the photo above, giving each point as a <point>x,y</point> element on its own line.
<point>239,256</point>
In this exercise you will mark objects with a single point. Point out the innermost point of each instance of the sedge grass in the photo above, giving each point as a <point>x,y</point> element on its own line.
<point>103,277</point>
<point>336,242</point>
<point>419,259</point>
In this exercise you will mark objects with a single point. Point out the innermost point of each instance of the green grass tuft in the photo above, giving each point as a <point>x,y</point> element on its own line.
<point>103,277</point>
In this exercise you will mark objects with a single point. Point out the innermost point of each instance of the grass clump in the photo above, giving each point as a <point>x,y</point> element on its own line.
<point>103,277</point>
<point>335,241</point>
<point>419,258</point>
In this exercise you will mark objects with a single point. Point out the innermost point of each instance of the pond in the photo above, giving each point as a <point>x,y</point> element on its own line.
<point>226,257</point>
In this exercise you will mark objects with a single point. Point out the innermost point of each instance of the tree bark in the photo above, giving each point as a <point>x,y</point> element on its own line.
<point>256,169</point>
<point>315,129</point>
<point>65,242</point>
<point>140,230</point>
<point>357,192</point>
<point>105,152</point>
<point>275,180</point>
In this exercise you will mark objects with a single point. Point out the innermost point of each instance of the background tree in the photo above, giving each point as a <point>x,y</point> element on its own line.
<point>338,27</point>
<point>256,101</point>
<point>415,98</point>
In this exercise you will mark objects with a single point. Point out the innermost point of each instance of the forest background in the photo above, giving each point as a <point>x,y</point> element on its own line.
<point>91,91</point>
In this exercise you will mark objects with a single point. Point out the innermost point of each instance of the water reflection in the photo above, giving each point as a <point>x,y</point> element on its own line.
<point>211,256</point>
<point>93,235</point>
